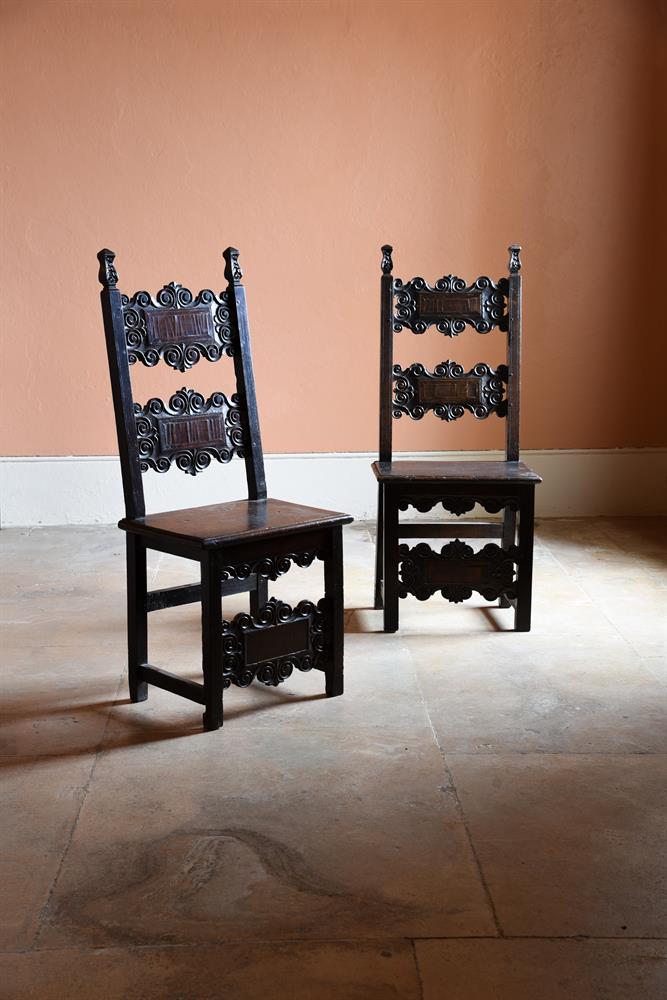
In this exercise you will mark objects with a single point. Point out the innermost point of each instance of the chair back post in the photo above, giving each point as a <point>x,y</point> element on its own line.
<point>386,352</point>
<point>245,379</point>
<point>512,450</point>
<point>121,387</point>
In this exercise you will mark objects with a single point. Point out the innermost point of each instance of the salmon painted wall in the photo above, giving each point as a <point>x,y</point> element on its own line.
<point>307,134</point>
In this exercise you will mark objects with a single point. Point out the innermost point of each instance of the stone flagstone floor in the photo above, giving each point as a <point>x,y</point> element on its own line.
<point>482,815</point>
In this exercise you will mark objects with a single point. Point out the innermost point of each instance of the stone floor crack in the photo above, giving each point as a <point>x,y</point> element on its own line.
<point>417,969</point>
<point>459,807</point>
<point>84,792</point>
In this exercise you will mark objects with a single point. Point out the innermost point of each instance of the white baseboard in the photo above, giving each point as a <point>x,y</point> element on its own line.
<point>87,490</point>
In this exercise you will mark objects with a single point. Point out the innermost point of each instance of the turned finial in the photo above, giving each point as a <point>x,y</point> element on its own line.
<point>108,275</point>
<point>514,264</point>
<point>387,263</point>
<point>233,270</point>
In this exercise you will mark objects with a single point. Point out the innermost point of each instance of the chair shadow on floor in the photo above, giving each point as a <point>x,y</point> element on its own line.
<point>32,729</point>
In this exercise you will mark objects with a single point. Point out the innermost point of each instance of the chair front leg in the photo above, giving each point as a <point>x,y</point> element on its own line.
<point>211,634</point>
<point>259,596</point>
<point>390,560</point>
<point>137,616</point>
<point>379,549</point>
<point>334,597</point>
<point>522,613</point>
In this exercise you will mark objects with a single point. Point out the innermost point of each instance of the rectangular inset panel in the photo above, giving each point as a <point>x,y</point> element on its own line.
<point>441,305</point>
<point>180,433</point>
<point>166,326</point>
<point>278,640</point>
<point>440,572</point>
<point>431,391</point>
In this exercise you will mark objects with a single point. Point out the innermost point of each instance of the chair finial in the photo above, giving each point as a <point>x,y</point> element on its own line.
<point>108,275</point>
<point>514,264</point>
<point>387,263</point>
<point>233,270</point>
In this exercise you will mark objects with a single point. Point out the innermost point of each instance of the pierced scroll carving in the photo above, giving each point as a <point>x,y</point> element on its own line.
<point>449,391</point>
<point>269,567</point>
<point>189,431</point>
<point>457,504</point>
<point>271,645</point>
<point>457,570</point>
<point>450,304</point>
<point>177,327</point>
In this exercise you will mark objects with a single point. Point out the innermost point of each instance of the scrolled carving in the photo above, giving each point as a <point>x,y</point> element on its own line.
<point>108,275</point>
<point>514,264</point>
<point>457,504</point>
<point>176,326</point>
<point>448,391</point>
<point>189,431</point>
<point>269,567</point>
<point>457,570</point>
<point>387,263</point>
<point>450,304</point>
<point>248,642</point>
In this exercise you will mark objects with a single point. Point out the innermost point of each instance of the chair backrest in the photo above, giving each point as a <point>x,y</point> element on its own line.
<point>449,391</point>
<point>180,329</point>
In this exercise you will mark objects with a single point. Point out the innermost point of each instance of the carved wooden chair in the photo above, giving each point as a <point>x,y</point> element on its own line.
<point>241,545</point>
<point>497,572</point>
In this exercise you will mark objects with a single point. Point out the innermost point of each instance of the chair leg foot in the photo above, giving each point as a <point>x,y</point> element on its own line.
<point>212,719</point>
<point>334,683</point>
<point>138,690</point>
<point>522,621</point>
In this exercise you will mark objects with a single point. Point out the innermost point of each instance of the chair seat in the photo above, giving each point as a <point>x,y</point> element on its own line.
<point>239,520</point>
<point>453,471</point>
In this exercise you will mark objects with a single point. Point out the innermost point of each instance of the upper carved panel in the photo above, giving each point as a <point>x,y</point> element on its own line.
<point>189,431</point>
<point>449,391</point>
<point>450,304</point>
<point>177,327</point>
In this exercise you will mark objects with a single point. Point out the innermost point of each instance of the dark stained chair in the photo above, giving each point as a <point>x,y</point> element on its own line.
<point>241,545</point>
<point>498,572</point>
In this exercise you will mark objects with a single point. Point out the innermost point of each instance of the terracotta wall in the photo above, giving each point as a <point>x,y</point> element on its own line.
<point>307,134</point>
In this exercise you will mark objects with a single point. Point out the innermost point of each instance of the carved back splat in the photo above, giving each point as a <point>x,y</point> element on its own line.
<point>181,329</point>
<point>449,391</point>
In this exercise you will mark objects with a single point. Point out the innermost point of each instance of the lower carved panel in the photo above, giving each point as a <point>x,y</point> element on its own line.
<point>456,571</point>
<point>269,646</point>
<point>457,505</point>
<point>189,431</point>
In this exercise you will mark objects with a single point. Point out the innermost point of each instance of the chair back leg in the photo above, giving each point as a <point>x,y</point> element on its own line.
<point>379,544</point>
<point>522,614</point>
<point>211,630</point>
<point>390,561</point>
<point>508,538</point>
